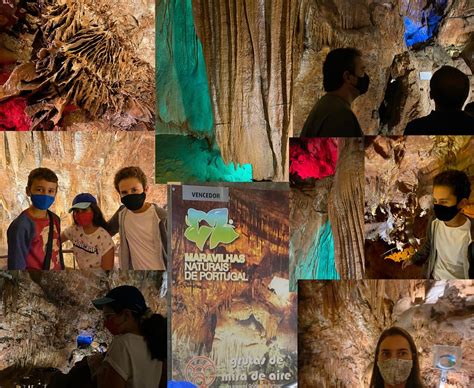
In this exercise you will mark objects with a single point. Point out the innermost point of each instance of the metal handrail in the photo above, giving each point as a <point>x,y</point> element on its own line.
<point>64,251</point>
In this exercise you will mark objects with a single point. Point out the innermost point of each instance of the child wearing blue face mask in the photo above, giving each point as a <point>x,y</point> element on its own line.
<point>449,246</point>
<point>34,236</point>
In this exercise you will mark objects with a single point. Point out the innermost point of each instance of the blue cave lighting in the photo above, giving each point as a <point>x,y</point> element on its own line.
<point>421,29</point>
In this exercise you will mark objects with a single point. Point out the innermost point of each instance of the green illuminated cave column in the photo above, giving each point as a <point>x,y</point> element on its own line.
<point>186,149</point>
<point>319,262</point>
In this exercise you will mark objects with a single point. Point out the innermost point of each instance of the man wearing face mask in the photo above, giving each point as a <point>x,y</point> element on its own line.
<point>34,236</point>
<point>344,79</point>
<point>140,224</point>
<point>449,246</point>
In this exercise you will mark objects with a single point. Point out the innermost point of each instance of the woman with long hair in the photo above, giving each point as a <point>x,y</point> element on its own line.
<point>396,363</point>
<point>137,353</point>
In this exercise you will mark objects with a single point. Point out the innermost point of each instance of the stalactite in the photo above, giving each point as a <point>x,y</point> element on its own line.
<point>86,63</point>
<point>345,210</point>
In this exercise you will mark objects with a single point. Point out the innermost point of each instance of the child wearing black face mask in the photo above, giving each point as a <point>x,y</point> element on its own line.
<point>141,225</point>
<point>449,246</point>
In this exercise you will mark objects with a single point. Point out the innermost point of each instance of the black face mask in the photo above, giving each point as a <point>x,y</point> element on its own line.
<point>363,84</point>
<point>134,201</point>
<point>445,213</point>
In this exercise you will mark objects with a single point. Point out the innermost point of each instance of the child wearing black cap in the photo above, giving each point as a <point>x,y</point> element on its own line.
<point>92,245</point>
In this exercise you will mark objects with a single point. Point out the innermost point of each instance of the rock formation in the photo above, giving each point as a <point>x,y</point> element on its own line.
<point>340,323</point>
<point>95,59</point>
<point>42,313</point>
<point>399,176</point>
<point>335,201</point>
<point>396,93</point>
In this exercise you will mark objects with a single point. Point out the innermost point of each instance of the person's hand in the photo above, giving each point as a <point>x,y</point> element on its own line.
<point>407,263</point>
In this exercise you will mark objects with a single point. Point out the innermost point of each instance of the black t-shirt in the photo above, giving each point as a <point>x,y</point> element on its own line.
<point>442,123</point>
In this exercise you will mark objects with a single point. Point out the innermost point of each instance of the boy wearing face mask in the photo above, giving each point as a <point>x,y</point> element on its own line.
<point>344,79</point>
<point>449,246</point>
<point>34,236</point>
<point>141,224</point>
<point>92,246</point>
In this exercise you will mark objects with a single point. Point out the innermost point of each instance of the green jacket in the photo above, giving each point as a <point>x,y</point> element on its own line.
<point>427,254</point>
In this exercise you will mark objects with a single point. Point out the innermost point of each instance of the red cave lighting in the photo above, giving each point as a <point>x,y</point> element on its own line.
<point>313,157</point>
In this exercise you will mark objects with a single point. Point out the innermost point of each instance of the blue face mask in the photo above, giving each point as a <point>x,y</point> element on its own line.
<point>41,201</point>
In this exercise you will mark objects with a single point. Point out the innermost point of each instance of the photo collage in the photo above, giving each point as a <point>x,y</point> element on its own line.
<point>237,193</point>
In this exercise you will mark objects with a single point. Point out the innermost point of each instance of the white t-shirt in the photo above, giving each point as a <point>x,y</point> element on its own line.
<point>129,356</point>
<point>89,248</point>
<point>451,245</point>
<point>144,245</point>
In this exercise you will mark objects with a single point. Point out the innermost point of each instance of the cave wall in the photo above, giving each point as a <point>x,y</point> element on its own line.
<point>83,161</point>
<point>392,66</point>
<point>42,313</point>
<point>263,62</point>
<point>78,65</point>
<point>399,174</point>
<point>326,217</point>
<point>248,48</point>
<point>340,323</point>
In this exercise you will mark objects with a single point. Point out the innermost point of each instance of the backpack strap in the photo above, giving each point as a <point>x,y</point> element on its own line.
<point>49,245</point>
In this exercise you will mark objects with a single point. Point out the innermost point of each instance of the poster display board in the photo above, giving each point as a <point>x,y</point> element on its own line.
<point>233,319</point>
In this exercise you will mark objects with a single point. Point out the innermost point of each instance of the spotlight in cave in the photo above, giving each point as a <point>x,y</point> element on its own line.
<point>422,28</point>
<point>312,159</point>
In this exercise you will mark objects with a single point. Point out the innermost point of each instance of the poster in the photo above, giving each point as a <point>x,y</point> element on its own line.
<point>233,318</point>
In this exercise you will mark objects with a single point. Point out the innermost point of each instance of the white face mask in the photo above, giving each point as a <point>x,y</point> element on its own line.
<point>394,370</point>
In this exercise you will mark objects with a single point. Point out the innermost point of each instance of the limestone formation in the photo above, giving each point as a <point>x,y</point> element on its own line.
<point>338,200</point>
<point>41,314</point>
<point>399,176</point>
<point>95,56</point>
<point>340,323</point>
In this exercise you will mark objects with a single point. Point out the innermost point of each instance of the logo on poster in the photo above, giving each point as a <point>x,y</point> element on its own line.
<point>219,229</point>
<point>201,371</point>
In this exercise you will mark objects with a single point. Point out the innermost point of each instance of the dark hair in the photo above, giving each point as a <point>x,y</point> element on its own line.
<point>449,87</point>
<point>471,261</point>
<point>153,329</point>
<point>414,379</point>
<point>129,172</point>
<point>456,180</point>
<point>469,108</point>
<point>41,173</point>
<point>98,219</point>
<point>337,62</point>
